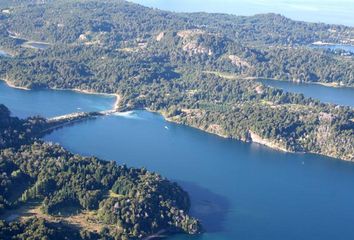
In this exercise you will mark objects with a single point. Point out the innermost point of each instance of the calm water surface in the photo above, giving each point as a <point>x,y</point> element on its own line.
<point>239,191</point>
<point>328,11</point>
<point>36,45</point>
<point>347,48</point>
<point>341,96</point>
<point>48,103</point>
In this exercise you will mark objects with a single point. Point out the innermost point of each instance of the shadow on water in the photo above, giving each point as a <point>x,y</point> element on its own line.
<point>210,208</point>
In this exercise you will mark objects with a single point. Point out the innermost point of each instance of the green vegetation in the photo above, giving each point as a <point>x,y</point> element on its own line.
<point>96,44</point>
<point>35,229</point>
<point>195,69</point>
<point>166,62</point>
<point>66,184</point>
<point>15,132</point>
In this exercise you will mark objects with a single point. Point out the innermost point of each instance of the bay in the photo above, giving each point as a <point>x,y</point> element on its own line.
<point>51,103</point>
<point>336,95</point>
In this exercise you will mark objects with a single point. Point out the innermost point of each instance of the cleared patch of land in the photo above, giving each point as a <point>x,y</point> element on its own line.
<point>82,220</point>
<point>115,195</point>
<point>226,75</point>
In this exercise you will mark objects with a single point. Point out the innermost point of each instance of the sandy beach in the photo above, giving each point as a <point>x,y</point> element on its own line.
<point>8,83</point>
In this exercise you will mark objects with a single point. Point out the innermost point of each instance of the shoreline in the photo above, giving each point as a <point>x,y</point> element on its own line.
<point>330,85</point>
<point>156,235</point>
<point>231,76</point>
<point>116,104</point>
<point>262,142</point>
<point>254,137</point>
<point>8,83</point>
<point>36,42</point>
<point>89,92</point>
<point>320,43</point>
<point>115,107</point>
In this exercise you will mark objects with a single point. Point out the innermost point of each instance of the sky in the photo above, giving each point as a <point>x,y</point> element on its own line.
<point>327,11</point>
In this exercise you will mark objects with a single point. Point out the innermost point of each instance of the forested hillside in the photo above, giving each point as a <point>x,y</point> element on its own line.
<point>64,21</point>
<point>264,46</point>
<point>197,69</point>
<point>57,187</point>
<point>15,132</point>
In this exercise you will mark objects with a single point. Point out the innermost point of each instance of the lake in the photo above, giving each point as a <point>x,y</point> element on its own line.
<point>36,45</point>
<point>50,103</point>
<point>341,96</point>
<point>31,44</point>
<point>347,48</point>
<point>328,11</point>
<point>239,191</point>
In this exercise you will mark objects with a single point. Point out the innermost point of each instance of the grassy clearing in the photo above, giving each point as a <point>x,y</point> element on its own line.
<point>115,195</point>
<point>83,220</point>
<point>225,75</point>
<point>267,103</point>
<point>21,213</point>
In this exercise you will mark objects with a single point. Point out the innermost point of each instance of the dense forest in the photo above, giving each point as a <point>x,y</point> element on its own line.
<point>15,132</point>
<point>126,203</point>
<point>87,35</point>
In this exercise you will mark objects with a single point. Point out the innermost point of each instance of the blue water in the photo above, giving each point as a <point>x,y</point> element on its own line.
<point>239,191</point>
<point>48,103</point>
<point>36,45</point>
<point>347,48</point>
<point>341,96</point>
<point>327,11</point>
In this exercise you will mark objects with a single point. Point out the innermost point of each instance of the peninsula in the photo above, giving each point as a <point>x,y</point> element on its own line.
<point>58,195</point>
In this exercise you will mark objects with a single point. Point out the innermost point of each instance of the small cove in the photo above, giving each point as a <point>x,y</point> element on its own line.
<point>51,103</point>
<point>335,95</point>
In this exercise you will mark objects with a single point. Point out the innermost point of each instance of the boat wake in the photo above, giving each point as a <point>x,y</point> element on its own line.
<point>129,115</point>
